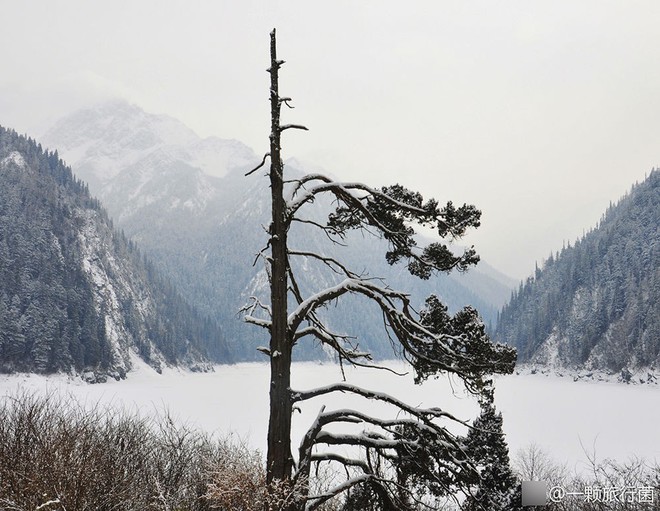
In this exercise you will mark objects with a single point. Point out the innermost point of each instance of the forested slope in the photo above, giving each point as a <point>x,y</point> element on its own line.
<point>596,304</point>
<point>75,295</point>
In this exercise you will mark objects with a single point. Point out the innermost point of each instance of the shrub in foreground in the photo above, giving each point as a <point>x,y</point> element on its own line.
<point>57,455</point>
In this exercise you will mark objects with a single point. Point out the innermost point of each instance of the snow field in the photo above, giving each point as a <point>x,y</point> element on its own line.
<point>561,416</point>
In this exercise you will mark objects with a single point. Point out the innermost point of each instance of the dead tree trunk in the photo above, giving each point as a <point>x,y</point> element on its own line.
<point>279,459</point>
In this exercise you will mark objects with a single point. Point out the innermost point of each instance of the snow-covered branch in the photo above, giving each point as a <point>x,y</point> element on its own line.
<point>368,441</point>
<point>343,460</point>
<point>390,492</point>
<point>423,346</point>
<point>341,190</point>
<point>250,309</point>
<point>416,339</point>
<point>340,343</point>
<point>422,413</point>
<point>404,440</point>
<point>344,192</point>
<point>349,285</point>
<point>391,211</point>
<point>263,323</point>
<point>390,425</point>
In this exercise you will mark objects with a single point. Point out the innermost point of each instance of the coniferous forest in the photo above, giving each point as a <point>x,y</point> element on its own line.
<point>596,304</point>
<point>74,292</point>
<point>592,304</point>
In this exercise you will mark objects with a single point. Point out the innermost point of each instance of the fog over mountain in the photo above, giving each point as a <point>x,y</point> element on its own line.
<point>187,202</point>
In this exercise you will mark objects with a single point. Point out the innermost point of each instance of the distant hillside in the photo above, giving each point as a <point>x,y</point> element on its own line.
<point>75,295</point>
<point>188,204</point>
<point>596,304</point>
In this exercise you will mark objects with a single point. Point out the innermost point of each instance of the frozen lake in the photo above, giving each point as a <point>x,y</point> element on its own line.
<point>559,415</point>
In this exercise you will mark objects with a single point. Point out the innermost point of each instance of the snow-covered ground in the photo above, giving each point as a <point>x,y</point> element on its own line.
<point>560,415</point>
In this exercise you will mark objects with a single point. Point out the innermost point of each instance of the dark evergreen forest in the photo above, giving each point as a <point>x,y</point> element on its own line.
<point>596,302</point>
<point>53,316</point>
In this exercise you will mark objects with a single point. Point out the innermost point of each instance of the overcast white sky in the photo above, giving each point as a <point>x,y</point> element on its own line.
<point>538,112</point>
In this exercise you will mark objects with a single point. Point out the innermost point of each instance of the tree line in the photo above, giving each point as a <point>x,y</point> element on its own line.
<point>599,297</point>
<point>52,316</point>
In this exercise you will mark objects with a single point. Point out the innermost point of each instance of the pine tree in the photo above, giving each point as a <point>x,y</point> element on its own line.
<point>497,488</point>
<point>400,461</point>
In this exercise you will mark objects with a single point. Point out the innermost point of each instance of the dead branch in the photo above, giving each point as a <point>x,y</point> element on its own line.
<point>293,127</point>
<point>263,162</point>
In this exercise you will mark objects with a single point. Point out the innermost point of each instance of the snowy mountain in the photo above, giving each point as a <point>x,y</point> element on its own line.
<point>75,295</point>
<point>596,304</point>
<point>187,202</point>
<point>123,152</point>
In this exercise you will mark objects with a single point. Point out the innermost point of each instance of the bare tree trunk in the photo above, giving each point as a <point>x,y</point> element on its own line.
<point>279,459</point>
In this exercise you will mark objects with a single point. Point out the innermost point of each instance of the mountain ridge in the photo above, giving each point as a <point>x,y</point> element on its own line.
<point>596,304</point>
<point>192,222</point>
<point>75,294</point>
